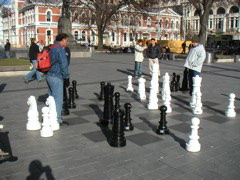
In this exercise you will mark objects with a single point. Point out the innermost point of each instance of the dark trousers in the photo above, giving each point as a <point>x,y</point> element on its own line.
<point>191,74</point>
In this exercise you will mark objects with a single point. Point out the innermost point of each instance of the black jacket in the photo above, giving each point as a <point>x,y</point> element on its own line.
<point>154,51</point>
<point>33,52</point>
<point>7,46</point>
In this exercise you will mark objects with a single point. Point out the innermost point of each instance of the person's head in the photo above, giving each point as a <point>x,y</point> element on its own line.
<point>33,40</point>
<point>7,40</point>
<point>195,41</point>
<point>153,42</point>
<point>140,42</point>
<point>63,39</point>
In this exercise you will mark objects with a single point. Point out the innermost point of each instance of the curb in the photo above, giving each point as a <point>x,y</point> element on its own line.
<point>13,73</point>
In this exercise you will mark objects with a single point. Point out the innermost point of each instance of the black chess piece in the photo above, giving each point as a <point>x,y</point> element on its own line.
<point>118,139</point>
<point>177,85</point>
<point>65,110</point>
<point>71,103</point>
<point>162,128</point>
<point>128,120</point>
<point>74,85</point>
<point>173,83</point>
<point>185,81</point>
<point>101,94</point>
<point>108,104</point>
<point>117,103</point>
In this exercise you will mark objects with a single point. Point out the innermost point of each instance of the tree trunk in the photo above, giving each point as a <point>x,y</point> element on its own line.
<point>203,28</point>
<point>100,39</point>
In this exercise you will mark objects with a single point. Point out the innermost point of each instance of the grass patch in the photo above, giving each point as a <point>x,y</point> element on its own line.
<point>14,62</point>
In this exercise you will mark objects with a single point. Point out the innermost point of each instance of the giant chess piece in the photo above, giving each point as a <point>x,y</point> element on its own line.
<point>33,115</point>
<point>162,128</point>
<point>52,113</point>
<point>193,145</point>
<point>65,110</point>
<point>117,102</point>
<point>46,130</point>
<point>196,88</point>
<point>154,81</point>
<point>141,89</point>
<point>118,138</point>
<point>74,85</point>
<point>173,83</point>
<point>177,85</point>
<point>185,80</point>
<point>128,120</point>
<point>108,104</point>
<point>167,101</point>
<point>230,111</point>
<point>101,94</point>
<point>71,103</point>
<point>197,109</point>
<point>166,86</point>
<point>130,86</point>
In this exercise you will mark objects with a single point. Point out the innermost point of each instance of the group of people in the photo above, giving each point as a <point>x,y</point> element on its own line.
<point>193,63</point>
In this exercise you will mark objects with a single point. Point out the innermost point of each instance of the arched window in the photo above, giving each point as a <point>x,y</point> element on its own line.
<point>125,21</point>
<point>210,12</point>
<point>113,36</point>
<point>83,20</point>
<point>234,9</point>
<point>83,35</point>
<point>196,13</point>
<point>172,24</point>
<point>131,21</point>
<point>76,34</point>
<point>49,16</point>
<point>177,25</point>
<point>49,36</point>
<point>166,23</point>
<point>138,21</point>
<point>221,10</point>
<point>148,21</point>
<point>76,17</point>
<point>161,23</point>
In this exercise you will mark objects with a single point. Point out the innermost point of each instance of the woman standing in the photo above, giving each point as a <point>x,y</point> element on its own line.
<point>138,58</point>
<point>33,52</point>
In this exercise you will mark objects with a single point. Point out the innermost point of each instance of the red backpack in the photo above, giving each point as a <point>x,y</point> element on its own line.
<point>43,59</point>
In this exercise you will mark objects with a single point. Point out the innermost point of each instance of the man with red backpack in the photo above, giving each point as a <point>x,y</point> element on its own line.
<point>58,73</point>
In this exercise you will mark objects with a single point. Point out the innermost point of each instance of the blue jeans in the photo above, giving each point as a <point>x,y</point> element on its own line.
<point>138,69</point>
<point>191,74</point>
<point>55,89</point>
<point>33,71</point>
<point>7,54</point>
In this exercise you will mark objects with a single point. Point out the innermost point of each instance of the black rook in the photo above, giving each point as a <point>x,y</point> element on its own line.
<point>101,94</point>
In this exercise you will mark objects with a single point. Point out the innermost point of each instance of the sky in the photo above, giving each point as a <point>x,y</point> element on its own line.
<point>5,2</point>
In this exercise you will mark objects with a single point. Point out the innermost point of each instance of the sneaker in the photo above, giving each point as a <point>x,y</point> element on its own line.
<point>4,155</point>
<point>26,81</point>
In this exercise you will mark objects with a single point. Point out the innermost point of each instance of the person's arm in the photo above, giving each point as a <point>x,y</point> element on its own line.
<point>201,56</point>
<point>63,63</point>
<point>139,48</point>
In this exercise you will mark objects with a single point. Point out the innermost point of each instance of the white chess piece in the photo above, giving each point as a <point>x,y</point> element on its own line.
<point>193,145</point>
<point>153,99</point>
<point>154,81</point>
<point>167,101</point>
<point>130,87</point>
<point>141,89</point>
<point>166,86</point>
<point>196,88</point>
<point>52,113</point>
<point>197,109</point>
<point>33,115</point>
<point>46,130</point>
<point>231,108</point>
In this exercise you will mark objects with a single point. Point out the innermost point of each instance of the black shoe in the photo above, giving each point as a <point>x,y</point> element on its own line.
<point>63,123</point>
<point>26,81</point>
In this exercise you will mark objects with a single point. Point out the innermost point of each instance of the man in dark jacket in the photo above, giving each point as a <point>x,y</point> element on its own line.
<point>7,48</point>
<point>154,53</point>
<point>33,52</point>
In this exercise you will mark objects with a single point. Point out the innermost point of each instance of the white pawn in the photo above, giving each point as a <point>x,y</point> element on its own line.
<point>167,101</point>
<point>33,115</point>
<point>198,106</point>
<point>46,130</point>
<point>230,111</point>
<point>52,113</point>
<point>141,89</point>
<point>130,87</point>
<point>193,145</point>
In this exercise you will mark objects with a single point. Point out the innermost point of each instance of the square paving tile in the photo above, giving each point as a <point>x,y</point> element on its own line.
<point>183,127</point>
<point>149,115</point>
<point>83,112</point>
<point>76,120</point>
<point>144,138</point>
<point>182,117</point>
<point>95,136</point>
<point>217,119</point>
<point>144,126</point>
<point>209,103</point>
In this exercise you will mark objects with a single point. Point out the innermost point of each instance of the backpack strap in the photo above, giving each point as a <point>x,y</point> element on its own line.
<point>54,46</point>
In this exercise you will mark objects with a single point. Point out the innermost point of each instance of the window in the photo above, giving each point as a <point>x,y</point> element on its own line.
<point>76,35</point>
<point>49,16</point>
<point>125,21</point>
<point>221,10</point>
<point>131,21</point>
<point>232,23</point>
<point>210,23</point>
<point>83,18</point>
<point>113,36</point>
<point>83,36</point>
<point>166,23</point>
<point>148,21</point>
<point>234,9</point>
<point>76,17</point>
<point>210,12</point>
<point>125,37</point>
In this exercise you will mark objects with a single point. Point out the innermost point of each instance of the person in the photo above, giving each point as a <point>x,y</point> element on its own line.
<point>40,45</point>
<point>184,47</point>
<point>58,73</point>
<point>195,60</point>
<point>154,53</point>
<point>189,47</point>
<point>139,58</point>
<point>7,48</point>
<point>167,53</point>
<point>33,52</point>
<point>68,54</point>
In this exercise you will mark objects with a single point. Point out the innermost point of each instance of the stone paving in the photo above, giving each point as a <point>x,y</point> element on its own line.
<point>81,150</point>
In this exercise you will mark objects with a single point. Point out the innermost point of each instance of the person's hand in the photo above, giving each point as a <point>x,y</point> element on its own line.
<point>66,82</point>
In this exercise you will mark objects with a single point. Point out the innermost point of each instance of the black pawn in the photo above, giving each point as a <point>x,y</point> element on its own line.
<point>74,85</point>
<point>118,139</point>
<point>128,120</point>
<point>185,80</point>
<point>101,94</point>
<point>71,103</point>
<point>177,85</point>
<point>108,104</point>
<point>65,110</point>
<point>162,128</point>
<point>173,83</point>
